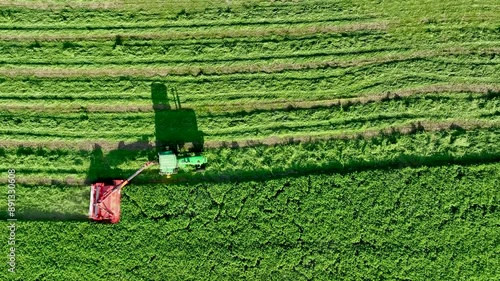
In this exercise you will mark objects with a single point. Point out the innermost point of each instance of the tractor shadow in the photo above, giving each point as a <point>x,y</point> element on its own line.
<point>176,129</point>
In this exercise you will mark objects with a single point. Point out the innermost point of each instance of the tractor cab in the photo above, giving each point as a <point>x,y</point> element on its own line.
<point>170,163</point>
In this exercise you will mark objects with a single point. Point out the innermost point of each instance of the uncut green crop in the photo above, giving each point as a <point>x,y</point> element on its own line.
<point>406,223</point>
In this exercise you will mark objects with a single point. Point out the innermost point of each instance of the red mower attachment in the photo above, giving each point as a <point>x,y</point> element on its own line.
<point>105,198</point>
<point>105,208</point>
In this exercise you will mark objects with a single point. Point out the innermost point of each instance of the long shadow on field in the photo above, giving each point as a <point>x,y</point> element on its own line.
<point>176,129</point>
<point>401,162</point>
<point>34,215</point>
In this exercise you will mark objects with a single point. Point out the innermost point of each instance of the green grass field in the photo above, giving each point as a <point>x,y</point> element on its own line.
<point>346,140</point>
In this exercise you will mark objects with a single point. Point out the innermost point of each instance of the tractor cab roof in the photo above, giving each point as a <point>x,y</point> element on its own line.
<point>167,161</point>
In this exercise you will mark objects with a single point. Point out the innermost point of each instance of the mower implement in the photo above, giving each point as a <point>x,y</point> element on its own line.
<point>105,198</point>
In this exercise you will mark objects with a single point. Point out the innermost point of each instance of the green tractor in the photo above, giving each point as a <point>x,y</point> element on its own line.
<point>171,163</point>
<point>175,129</point>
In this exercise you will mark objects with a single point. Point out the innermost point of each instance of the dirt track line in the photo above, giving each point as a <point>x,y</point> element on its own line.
<point>409,128</point>
<point>50,4</point>
<point>233,69</point>
<point>218,34</point>
<point>272,105</point>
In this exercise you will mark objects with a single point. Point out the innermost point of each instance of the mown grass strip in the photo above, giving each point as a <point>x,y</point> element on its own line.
<point>155,25</point>
<point>203,60</point>
<point>217,108</point>
<point>135,144</point>
<point>232,69</point>
<point>256,124</point>
<point>196,34</point>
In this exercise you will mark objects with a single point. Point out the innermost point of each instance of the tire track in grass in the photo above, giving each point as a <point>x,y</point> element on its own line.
<point>130,46</point>
<point>150,6</point>
<point>225,99</point>
<point>78,108</point>
<point>368,98</point>
<point>257,123</point>
<point>193,8</point>
<point>228,92</point>
<point>59,97</point>
<point>75,135</point>
<point>87,145</point>
<point>234,69</point>
<point>51,4</point>
<point>65,131</point>
<point>272,121</point>
<point>204,59</point>
<point>103,81</point>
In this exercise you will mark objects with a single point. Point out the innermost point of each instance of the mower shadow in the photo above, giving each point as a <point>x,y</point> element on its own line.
<point>104,165</point>
<point>175,128</point>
